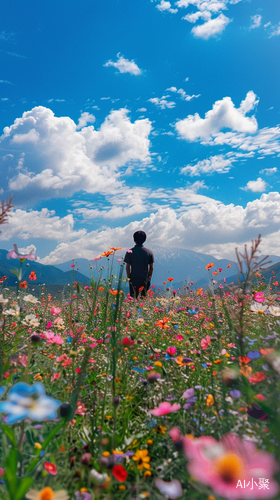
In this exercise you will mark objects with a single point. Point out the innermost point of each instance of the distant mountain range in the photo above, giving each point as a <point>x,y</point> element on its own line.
<point>179,264</point>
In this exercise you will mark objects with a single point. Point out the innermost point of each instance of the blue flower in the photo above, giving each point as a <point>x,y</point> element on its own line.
<point>2,390</point>
<point>25,401</point>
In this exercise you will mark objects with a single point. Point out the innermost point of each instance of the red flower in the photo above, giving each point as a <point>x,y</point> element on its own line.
<point>257,377</point>
<point>51,468</point>
<point>119,473</point>
<point>127,341</point>
<point>32,276</point>
<point>23,284</point>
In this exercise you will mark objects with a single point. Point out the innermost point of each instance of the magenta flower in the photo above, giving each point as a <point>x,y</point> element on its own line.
<point>165,408</point>
<point>53,339</point>
<point>258,297</point>
<point>205,342</point>
<point>228,464</point>
<point>171,350</point>
<point>14,254</point>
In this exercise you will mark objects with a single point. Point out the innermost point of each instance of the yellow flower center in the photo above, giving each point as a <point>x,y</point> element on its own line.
<point>46,494</point>
<point>229,467</point>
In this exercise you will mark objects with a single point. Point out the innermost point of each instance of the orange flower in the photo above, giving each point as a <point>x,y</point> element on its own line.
<point>32,276</point>
<point>170,279</point>
<point>229,265</point>
<point>275,283</point>
<point>267,351</point>
<point>199,291</point>
<point>244,360</point>
<point>246,370</point>
<point>101,289</point>
<point>211,264</point>
<point>23,284</point>
<point>162,323</point>
<point>106,254</point>
<point>215,272</point>
<point>3,278</point>
<point>114,292</point>
<point>209,400</point>
<point>115,248</point>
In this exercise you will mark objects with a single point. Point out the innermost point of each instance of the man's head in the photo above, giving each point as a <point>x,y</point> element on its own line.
<point>139,237</point>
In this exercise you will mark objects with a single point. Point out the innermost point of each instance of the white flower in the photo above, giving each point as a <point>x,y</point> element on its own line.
<point>12,312</point>
<point>274,310</point>
<point>2,300</point>
<point>170,489</point>
<point>99,478</point>
<point>256,307</point>
<point>139,321</point>
<point>30,320</point>
<point>30,298</point>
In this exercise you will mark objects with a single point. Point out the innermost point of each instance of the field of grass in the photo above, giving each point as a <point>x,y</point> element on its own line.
<point>170,396</point>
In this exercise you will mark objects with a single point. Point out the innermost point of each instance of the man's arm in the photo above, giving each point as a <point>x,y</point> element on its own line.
<point>151,268</point>
<point>128,270</point>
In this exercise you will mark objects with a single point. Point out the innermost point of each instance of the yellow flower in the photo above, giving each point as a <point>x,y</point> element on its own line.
<point>158,363</point>
<point>147,473</point>
<point>160,429</point>
<point>37,446</point>
<point>150,441</point>
<point>122,487</point>
<point>209,400</point>
<point>141,456</point>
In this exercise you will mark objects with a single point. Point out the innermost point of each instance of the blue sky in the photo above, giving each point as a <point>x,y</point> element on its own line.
<point>154,115</point>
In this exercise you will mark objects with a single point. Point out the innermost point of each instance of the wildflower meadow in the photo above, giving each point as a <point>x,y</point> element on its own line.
<point>175,395</point>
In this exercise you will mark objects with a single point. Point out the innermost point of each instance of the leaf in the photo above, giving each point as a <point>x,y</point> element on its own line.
<point>23,488</point>
<point>11,472</point>
<point>10,433</point>
<point>29,437</point>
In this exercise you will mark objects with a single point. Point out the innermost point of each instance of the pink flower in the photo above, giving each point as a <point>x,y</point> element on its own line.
<point>228,463</point>
<point>205,342</point>
<point>55,311</point>
<point>55,377</point>
<point>165,408</point>
<point>258,297</point>
<point>179,337</point>
<point>49,324</point>
<point>53,339</point>
<point>171,350</point>
<point>14,254</point>
<point>81,409</point>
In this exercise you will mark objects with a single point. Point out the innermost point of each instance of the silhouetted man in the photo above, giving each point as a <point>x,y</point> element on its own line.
<point>139,266</point>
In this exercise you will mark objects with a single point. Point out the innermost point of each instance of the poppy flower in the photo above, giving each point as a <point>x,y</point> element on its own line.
<point>51,468</point>
<point>115,248</point>
<point>257,377</point>
<point>23,284</point>
<point>170,279</point>
<point>32,276</point>
<point>119,473</point>
<point>211,264</point>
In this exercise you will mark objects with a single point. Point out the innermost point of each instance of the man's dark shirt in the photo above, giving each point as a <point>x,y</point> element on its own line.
<point>139,259</point>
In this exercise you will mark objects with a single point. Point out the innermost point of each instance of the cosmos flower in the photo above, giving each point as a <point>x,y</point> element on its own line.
<point>222,464</point>
<point>30,298</point>
<point>14,254</point>
<point>47,494</point>
<point>274,310</point>
<point>165,408</point>
<point>256,307</point>
<point>205,342</point>
<point>259,297</point>
<point>25,401</point>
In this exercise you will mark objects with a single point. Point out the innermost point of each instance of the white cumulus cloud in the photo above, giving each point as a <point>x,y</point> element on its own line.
<point>222,115</point>
<point>257,186</point>
<point>51,158</point>
<point>268,171</point>
<point>211,28</point>
<point>162,102</point>
<point>124,65</point>
<point>40,224</point>
<point>166,6</point>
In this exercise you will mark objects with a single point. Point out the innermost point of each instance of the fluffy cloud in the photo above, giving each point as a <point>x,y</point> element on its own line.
<point>166,6</point>
<point>218,163</point>
<point>51,158</point>
<point>222,115</point>
<point>40,224</point>
<point>211,28</point>
<point>256,21</point>
<point>209,228</point>
<point>84,119</point>
<point>257,186</point>
<point>124,65</point>
<point>162,102</point>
